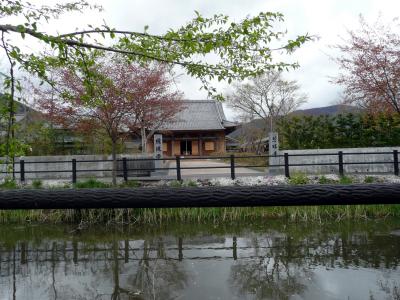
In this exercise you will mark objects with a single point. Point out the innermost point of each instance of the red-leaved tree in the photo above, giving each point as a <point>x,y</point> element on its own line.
<point>116,98</point>
<point>370,64</point>
<point>155,104</point>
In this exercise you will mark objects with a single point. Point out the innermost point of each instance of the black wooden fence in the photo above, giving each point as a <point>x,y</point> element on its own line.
<point>129,167</point>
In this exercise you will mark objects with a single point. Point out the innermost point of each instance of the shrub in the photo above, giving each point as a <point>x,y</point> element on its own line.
<point>324,180</point>
<point>191,183</point>
<point>345,180</point>
<point>37,184</point>
<point>298,178</point>
<point>175,183</point>
<point>8,184</point>
<point>90,184</point>
<point>369,179</point>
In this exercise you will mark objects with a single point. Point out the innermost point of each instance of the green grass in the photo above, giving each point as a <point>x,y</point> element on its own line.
<point>369,179</point>
<point>175,183</point>
<point>8,184</point>
<point>298,178</point>
<point>345,180</point>
<point>324,180</point>
<point>37,184</point>
<point>91,184</point>
<point>199,215</point>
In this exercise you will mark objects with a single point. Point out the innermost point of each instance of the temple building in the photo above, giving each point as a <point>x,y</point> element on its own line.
<point>199,129</point>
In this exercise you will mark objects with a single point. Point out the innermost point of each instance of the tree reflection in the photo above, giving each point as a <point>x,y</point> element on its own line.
<point>285,265</point>
<point>150,276</point>
<point>273,275</point>
<point>97,271</point>
<point>159,277</point>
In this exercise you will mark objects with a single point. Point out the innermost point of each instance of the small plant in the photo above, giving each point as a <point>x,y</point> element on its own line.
<point>37,184</point>
<point>66,185</point>
<point>324,180</point>
<point>369,179</point>
<point>8,184</point>
<point>91,184</point>
<point>175,183</point>
<point>298,178</point>
<point>191,183</point>
<point>345,180</point>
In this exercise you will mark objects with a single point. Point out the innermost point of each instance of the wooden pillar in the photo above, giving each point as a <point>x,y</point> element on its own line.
<point>200,146</point>
<point>171,144</point>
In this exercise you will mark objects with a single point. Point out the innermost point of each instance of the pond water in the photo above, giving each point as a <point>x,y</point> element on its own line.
<point>259,260</point>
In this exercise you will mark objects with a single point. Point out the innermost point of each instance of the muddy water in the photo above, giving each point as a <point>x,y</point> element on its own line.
<point>268,260</point>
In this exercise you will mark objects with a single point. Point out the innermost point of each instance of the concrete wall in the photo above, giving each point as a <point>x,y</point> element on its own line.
<point>351,169</point>
<point>39,167</point>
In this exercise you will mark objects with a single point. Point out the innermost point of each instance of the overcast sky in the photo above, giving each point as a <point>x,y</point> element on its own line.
<point>327,19</point>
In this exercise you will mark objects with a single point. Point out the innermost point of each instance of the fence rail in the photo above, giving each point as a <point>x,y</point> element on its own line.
<point>124,167</point>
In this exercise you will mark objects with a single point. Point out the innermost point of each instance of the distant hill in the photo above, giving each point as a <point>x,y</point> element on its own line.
<point>327,110</point>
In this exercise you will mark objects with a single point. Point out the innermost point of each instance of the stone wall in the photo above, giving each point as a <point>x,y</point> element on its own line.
<point>88,166</point>
<point>314,158</point>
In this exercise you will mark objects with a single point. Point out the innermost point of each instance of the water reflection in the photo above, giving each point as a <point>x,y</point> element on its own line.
<point>274,260</point>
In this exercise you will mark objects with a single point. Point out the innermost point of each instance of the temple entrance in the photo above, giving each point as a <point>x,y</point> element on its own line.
<point>186,147</point>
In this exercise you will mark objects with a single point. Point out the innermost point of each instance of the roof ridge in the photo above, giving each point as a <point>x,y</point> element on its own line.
<point>208,100</point>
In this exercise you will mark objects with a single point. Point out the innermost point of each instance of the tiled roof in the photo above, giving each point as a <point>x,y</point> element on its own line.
<point>199,115</point>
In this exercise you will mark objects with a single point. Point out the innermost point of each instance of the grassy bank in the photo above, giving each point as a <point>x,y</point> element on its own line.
<point>199,215</point>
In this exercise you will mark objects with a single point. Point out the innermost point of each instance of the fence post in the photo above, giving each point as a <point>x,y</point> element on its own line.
<point>73,170</point>
<point>125,169</point>
<point>396,162</point>
<point>233,167</point>
<point>178,168</point>
<point>22,170</point>
<point>340,156</point>
<point>286,157</point>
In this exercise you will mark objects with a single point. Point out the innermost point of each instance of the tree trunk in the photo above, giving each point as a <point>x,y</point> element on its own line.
<point>114,162</point>
<point>144,139</point>
<point>10,136</point>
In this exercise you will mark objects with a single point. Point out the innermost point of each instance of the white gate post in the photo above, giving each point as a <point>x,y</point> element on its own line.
<point>273,143</point>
